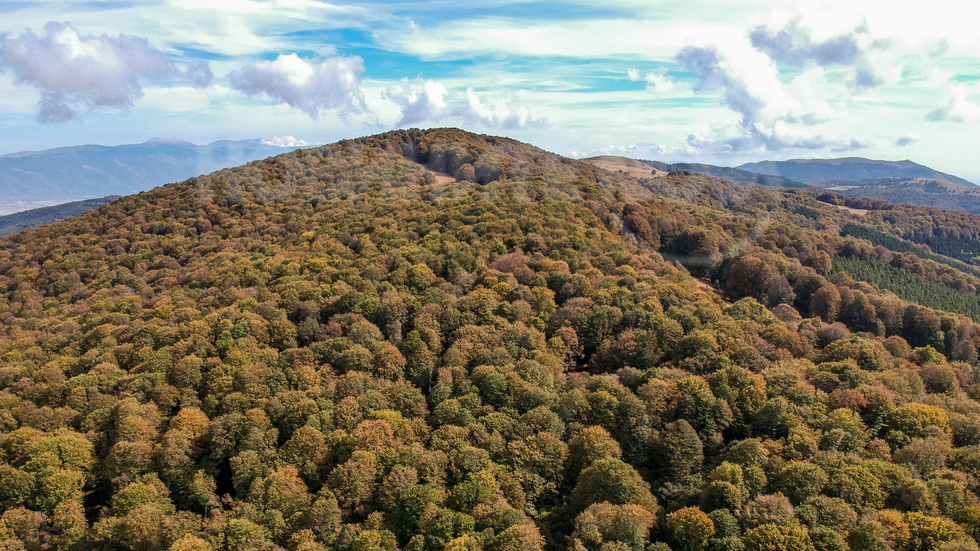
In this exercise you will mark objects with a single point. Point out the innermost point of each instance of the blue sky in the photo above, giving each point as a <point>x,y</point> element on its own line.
<point>709,81</point>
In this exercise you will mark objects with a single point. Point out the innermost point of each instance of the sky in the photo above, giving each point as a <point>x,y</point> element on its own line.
<point>711,81</point>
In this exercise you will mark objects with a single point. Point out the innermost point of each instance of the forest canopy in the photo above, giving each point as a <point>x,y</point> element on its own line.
<point>342,349</point>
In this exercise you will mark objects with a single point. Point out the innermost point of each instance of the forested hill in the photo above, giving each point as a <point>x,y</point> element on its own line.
<point>924,192</point>
<point>439,341</point>
<point>811,171</point>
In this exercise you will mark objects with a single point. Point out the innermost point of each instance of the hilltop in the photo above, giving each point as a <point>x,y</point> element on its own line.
<point>436,340</point>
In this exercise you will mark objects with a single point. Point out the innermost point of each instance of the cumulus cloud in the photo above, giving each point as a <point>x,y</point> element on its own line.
<point>309,85</point>
<point>657,82</point>
<point>419,102</point>
<point>957,106</point>
<point>284,141</point>
<point>73,71</point>
<point>794,45</point>
<point>430,101</point>
<point>771,119</point>
<point>499,115</point>
<point>200,74</point>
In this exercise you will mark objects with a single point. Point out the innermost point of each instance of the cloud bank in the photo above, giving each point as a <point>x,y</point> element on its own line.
<point>309,85</point>
<point>73,71</point>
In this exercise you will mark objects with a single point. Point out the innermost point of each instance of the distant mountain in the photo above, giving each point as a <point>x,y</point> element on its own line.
<point>896,182</point>
<point>740,176</point>
<point>649,169</point>
<point>921,192</point>
<point>809,171</point>
<point>14,223</point>
<point>32,179</point>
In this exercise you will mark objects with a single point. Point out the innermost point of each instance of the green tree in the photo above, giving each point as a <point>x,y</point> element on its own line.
<point>690,528</point>
<point>612,481</point>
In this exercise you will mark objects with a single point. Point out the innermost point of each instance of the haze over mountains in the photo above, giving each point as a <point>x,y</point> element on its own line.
<point>33,179</point>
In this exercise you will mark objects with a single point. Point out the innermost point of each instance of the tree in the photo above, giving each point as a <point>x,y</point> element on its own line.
<point>830,512</point>
<point>683,453</point>
<point>927,532</point>
<point>853,435</point>
<point>799,480</point>
<point>191,543</point>
<point>857,486</point>
<point>612,481</point>
<point>353,484</point>
<point>775,537</point>
<point>825,303</point>
<point>869,536</point>
<point>911,420</point>
<point>690,528</point>
<point>601,523</point>
<point>521,537</point>
<point>410,504</point>
<point>767,509</point>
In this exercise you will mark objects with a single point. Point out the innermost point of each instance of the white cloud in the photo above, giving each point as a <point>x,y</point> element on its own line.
<point>957,106</point>
<point>771,118</point>
<point>285,141</point>
<point>419,102</point>
<point>431,102</point>
<point>499,115</point>
<point>307,85</point>
<point>72,70</point>
<point>657,82</point>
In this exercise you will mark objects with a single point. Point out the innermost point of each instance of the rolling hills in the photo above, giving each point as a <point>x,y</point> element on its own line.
<point>33,179</point>
<point>436,340</point>
<point>809,171</point>
<point>919,191</point>
<point>896,182</point>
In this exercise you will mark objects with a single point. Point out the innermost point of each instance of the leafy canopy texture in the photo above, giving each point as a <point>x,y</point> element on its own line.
<point>431,341</point>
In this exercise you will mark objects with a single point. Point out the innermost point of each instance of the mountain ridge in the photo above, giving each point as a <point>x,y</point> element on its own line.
<point>38,178</point>
<point>809,171</point>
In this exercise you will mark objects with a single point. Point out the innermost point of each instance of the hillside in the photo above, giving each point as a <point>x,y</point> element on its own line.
<point>809,171</point>
<point>14,223</point>
<point>34,179</point>
<point>441,341</point>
